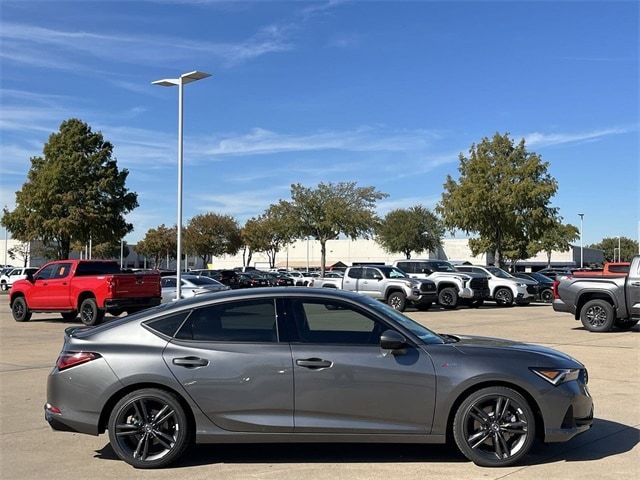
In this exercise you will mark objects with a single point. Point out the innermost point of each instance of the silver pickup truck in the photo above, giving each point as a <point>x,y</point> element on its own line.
<point>600,302</point>
<point>388,284</point>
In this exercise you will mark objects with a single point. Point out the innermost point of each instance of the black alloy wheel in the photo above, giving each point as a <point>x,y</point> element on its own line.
<point>20,310</point>
<point>547,295</point>
<point>503,296</point>
<point>149,428</point>
<point>494,427</point>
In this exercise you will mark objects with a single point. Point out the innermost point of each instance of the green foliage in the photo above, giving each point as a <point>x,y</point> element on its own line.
<point>274,229</point>
<point>416,229</point>
<point>74,190</point>
<point>212,234</point>
<point>331,209</point>
<point>20,252</point>
<point>109,250</point>
<point>157,244</point>
<point>628,246</point>
<point>557,236</point>
<point>502,195</point>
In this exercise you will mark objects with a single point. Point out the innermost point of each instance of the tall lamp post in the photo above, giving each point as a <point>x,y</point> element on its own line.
<point>581,215</point>
<point>180,82</point>
<point>619,251</point>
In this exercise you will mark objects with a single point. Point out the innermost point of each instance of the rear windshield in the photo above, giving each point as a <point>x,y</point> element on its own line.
<point>96,268</point>
<point>201,281</point>
<point>619,268</point>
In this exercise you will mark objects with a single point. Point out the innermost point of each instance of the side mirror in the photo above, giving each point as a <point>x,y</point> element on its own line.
<point>30,277</point>
<point>378,277</point>
<point>392,340</point>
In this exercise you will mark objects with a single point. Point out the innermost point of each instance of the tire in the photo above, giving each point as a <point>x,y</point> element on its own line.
<point>625,324</point>
<point>597,316</point>
<point>397,301</point>
<point>448,298</point>
<point>546,295</point>
<point>494,427</point>
<point>90,314</point>
<point>20,310</point>
<point>503,296</point>
<point>424,306</point>
<point>145,442</point>
<point>69,316</point>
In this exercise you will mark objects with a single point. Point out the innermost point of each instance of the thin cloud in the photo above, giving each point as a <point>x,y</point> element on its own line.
<point>537,139</point>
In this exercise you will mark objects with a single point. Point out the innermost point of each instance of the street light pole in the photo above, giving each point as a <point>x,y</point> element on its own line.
<point>581,215</point>
<point>180,82</point>
<point>619,251</point>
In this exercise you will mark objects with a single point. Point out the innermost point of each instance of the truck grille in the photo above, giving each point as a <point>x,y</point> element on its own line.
<point>427,287</point>
<point>532,289</point>
<point>479,283</point>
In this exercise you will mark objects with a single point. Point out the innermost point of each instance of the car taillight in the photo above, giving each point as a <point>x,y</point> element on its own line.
<point>71,359</point>
<point>110,285</point>
<point>555,289</point>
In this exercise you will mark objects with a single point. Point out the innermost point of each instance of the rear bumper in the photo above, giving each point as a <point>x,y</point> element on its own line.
<point>560,306</point>
<point>126,303</point>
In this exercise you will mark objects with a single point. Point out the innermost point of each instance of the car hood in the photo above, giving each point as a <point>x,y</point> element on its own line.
<point>526,281</point>
<point>474,345</point>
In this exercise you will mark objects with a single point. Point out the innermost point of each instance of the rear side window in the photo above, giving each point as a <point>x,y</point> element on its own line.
<point>97,268</point>
<point>619,268</point>
<point>407,267</point>
<point>168,325</point>
<point>243,321</point>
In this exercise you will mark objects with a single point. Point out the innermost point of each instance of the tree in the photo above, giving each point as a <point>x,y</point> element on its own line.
<point>75,189</point>
<point>328,210</point>
<point>20,252</point>
<point>628,247</point>
<point>557,237</point>
<point>416,229</point>
<point>157,244</point>
<point>211,234</point>
<point>109,250</point>
<point>503,195</point>
<point>252,240</point>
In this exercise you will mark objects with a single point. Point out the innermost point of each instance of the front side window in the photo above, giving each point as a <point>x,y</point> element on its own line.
<point>498,272</point>
<point>242,321</point>
<point>326,321</point>
<point>393,272</point>
<point>46,273</point>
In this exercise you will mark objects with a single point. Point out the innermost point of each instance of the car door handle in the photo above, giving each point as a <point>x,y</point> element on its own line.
<point>190,362</point>
<point>314,363</point>
<point>635,284</point>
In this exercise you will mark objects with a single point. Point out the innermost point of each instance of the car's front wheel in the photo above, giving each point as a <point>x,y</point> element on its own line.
<point>149,428</point>
<point>20,310</point>
<point>448,298</point>
<point>494,427</point>
<point>503,296</point>
<point>397,301</point>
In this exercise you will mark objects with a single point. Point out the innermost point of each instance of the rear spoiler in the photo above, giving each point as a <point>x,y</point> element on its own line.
<point>69,331</point>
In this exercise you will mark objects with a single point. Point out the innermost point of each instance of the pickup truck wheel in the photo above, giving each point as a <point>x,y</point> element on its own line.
<point>90,314</point>
<point>448,298</point>
<point>503,296</point>
<point>597,316</point>
<point>69,316</point>
<point>397,301</point>
<point>20,310</point>
<point>625,324</point>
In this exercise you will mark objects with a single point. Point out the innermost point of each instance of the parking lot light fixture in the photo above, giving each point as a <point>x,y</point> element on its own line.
<point>581,215</point>
<point>180,82</point>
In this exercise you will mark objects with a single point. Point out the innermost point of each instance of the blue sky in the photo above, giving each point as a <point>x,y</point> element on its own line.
<point>385,94</point>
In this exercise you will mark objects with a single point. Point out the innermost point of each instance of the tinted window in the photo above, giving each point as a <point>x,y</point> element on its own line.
<point>61,270</point>
<point>441,266</point>
<point>201,281</point>
<point>371,273</point>
<point>168,325</point>
<point>619,268</point>
<point>168,283</point>
<point>46,273</point>
<point>355,273</point>
<point>246,321</point>
<point>97,268</point>
<point>464,269</point>
<point>331,321</point>
<point>406,267</point>
<point>393,272</point>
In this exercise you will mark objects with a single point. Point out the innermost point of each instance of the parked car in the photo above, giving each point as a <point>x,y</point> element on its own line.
<point>252,280</point>
<point>553,272</point>
<point>13,275</point>
<point>278,279</point>
<point>230,278</point>
<point>385,283</point>
<point>88,288</point>
<point>206,273</point>
<point>504,288</point>
<point>454,288</point>
<point>221,368</point>
<point>190,286</point>
<point>609,269</point>
<point>544,291</point>
<point>601,303</point>
<point>308,278</point>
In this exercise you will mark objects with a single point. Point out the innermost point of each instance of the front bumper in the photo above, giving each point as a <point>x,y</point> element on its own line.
<point>417,296</point>
<point>127,303</point>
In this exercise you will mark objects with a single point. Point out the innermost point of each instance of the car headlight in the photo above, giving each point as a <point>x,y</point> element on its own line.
<point>556,376</point>
<point>521,284</point>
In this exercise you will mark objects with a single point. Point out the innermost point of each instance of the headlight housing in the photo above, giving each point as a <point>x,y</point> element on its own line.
<point>521,284</point>
<point>557,376</point>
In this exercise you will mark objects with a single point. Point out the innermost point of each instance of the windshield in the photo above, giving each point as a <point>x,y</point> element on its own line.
<point>393,272</point>
<point>201,281</point>
<point>498,272</point>
<point>426,335</point>
<point>540,277</point>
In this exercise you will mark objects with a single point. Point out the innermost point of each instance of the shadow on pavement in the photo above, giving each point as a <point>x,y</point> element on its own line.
<point>593,445</point>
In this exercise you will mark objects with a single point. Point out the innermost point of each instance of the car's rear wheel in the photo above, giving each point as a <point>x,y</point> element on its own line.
<point>597,316</point>
<point>149,428</point>
<point>448,298</point>
<point>547,295</point>
<point>494,427</point>
<point>69,316</point>
<point>503,296</point>
<point>20,310</point>
<point>397,301</point>
<point>90,314</point>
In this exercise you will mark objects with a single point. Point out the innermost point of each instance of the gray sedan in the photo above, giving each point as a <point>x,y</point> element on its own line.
<point>192,285</point>
<point>305,365</point>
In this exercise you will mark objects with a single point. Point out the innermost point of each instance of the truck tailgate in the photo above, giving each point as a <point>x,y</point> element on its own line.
<point>132,285</point>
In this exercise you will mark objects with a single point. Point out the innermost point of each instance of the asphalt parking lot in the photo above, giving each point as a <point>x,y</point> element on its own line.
<point>30,449</point>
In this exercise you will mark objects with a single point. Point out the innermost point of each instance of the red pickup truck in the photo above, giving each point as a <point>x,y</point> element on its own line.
<point>88,288</point>
<point>610,269</point>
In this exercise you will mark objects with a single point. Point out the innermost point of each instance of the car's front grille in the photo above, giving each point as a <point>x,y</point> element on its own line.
<point>427,287</point>
<point>479,283</point>
<point>532,289</point>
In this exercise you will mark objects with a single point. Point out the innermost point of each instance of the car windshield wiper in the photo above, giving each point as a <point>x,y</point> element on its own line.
<point>449,338</point>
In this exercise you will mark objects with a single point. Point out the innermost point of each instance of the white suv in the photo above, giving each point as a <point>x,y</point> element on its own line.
<point>504,288</point>
<point>14,275</point>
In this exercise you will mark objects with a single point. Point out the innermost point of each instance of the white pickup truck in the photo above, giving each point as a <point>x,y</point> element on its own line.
<point>454,288</point>
<point>386,283</point>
